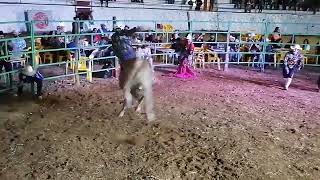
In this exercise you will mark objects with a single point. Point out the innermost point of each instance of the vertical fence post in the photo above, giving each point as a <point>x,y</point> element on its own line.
<point>226,65</point>
<point>77,54</point>
<point>240,43</point>
<point>114,22</point>
<point>190,28</point>
<point>33,57</point>
<point>264,46</point>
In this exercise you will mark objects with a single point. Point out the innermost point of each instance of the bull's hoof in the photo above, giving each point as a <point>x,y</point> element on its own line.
<point>121,114</point>
<point>138,109</point>
<point>151,117</point>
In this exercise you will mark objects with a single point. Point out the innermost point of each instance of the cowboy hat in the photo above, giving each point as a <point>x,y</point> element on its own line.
<point>28,71</point>
<point>14,32</point>
<point>296,46</point>
<point>61,24</point>
<point>252,34</point>
<point>189,37</point>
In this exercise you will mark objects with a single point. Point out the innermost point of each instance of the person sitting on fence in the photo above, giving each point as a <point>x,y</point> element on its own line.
<point>29,75</point>
<point>292,63</point>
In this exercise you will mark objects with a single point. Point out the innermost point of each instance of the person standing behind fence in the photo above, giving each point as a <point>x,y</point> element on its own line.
<point>292,63</point>
<point>101,2</point>
<point>4,61</point>
<point>198,5</point>
<point>190,49</point>
<point>276,38</point>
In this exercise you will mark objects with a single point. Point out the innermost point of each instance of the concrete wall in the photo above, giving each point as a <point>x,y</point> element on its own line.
<point>137,17</point>
<point>13,12</point>
<point>178,18</point>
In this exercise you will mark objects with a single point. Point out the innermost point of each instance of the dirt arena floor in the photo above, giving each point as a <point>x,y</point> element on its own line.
<point>222,125</point>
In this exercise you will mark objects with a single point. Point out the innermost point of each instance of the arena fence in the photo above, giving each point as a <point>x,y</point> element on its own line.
<point>220,30</point>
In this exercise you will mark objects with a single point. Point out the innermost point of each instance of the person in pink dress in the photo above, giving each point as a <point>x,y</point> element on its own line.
<point>186,59</point>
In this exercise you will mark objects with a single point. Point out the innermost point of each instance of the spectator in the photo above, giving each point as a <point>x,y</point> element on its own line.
<point>248,6</point>
<point>260,5</point>
<point>18,45</point>
<point>237,4</point>
<point>199,40</point>
<point>276,38</point>
<point>149,37</point>
<point>212,42</point>
<point>198,5</point>
<point>306,45</point>
<point>290,43</point>
<point>284,4</point>
<point>190,3</point>
<point>97,37</point>
<point>318,48</point>
<point>190,48</point>
<point>176,45</point>
<point>254,48</point>
<point>232,47</point>
<point>4,61</point>
<point>293,4</point>
<point>103,30</point>
<point>101,2</point>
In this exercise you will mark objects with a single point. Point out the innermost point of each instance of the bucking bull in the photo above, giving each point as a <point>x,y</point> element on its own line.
<point>136,74</point>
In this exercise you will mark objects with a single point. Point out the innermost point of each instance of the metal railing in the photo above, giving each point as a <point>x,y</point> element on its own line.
<point>191,27</point>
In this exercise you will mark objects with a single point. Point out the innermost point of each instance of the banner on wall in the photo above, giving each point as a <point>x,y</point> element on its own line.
<point>42,20</point>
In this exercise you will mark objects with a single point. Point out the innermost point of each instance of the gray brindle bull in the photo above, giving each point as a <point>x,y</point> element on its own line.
<point>136,75</point>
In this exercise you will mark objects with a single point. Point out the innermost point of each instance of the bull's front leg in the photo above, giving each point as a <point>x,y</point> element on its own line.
<point>127,101</point>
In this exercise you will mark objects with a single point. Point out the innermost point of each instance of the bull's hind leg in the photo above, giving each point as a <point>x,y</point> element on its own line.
<point>140,101</point>
<point>127,101</point>
<point>148,102</point>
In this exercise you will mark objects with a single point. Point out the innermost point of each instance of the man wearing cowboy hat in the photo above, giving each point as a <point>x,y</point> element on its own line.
<point>292,63</point>
<point>190,49</point>
<point>29,75</point>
